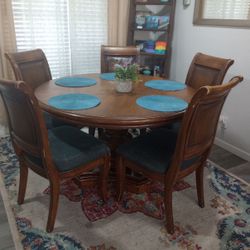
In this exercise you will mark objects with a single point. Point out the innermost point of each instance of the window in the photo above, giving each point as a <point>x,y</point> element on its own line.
<point>222,12</point>
<point>70,32</point>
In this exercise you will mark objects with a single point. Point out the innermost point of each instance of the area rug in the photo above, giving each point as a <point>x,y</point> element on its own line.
<point>85,222</point>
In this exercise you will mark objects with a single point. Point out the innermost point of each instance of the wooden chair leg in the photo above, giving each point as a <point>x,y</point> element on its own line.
<point>200,186</point>
<point>92,131</point>
<point>169,211</point>
<point>22,183</point>
<point>120,177</point>
<point>104,179</point>
<point>54,198</point>
<point>100,132</point>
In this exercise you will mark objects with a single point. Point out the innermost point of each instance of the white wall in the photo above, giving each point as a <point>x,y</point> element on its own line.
<point>222,42</point>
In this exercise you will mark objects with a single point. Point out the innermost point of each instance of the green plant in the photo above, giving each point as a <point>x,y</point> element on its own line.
<point>124,73</point>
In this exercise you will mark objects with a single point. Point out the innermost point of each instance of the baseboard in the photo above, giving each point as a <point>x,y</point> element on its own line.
<point>231,148</point>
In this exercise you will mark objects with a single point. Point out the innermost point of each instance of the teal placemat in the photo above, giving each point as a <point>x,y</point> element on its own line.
<point>74,101</point>
<point>162,103</point>
<point>75,82</point>
<point>165,85</point>
<point>108,76</point>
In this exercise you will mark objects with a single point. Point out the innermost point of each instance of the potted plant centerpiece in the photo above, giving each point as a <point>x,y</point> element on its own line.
<point>125,76</point>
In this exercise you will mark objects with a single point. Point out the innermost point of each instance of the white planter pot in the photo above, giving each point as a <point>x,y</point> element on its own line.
<point>124,86</point>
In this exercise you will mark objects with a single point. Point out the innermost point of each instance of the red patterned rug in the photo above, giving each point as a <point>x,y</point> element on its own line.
<point>150,204</point>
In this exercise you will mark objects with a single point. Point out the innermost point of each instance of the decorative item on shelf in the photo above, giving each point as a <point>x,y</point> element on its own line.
<point>152,22</point>
<point>146,71</point>
<point>140,44</point>
<point>140,19</point>
<point>125,75</point>
<point>149,46</point>
<point>160,47</point>
<point>157,71</point>
<point>163,22</point>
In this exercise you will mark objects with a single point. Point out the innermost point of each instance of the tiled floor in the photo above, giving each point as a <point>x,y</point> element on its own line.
<point>218,155</point>
<point>231,163</point>
<point>224,158</point>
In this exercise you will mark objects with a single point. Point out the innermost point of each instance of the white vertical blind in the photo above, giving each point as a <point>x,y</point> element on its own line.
<point>226,9</point>
<point>88,30</point>
<point>60,29</point>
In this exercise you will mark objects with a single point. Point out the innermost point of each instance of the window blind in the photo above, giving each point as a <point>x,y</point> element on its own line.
<point>88,30</point>
<point>226,9</point>
<point>61,29</point>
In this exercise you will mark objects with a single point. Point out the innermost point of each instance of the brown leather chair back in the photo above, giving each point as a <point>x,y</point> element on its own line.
<point>25,120</point>
<point>206,70</point>
<point>111,55</point>
<point>30,66</point>
<point>200,122</point>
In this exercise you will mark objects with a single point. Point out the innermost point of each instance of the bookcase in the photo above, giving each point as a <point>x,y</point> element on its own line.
<point>151,24</point>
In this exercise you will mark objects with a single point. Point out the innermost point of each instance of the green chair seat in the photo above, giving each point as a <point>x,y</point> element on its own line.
<point>72,148</point>
<point>154,151</point>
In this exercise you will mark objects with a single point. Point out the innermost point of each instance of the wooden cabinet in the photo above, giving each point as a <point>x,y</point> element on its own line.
<point>151,25</point>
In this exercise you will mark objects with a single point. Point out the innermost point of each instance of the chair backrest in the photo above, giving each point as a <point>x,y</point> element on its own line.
<point>111,55</point>
<point>206,70</point>
<point>199,125</point>
<point>26,123</point>
<point>30,66</point>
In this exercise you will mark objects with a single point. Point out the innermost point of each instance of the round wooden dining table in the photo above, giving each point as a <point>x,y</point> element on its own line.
<point>117,112</point>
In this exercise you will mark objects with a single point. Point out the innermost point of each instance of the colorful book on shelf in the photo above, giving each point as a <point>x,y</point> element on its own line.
<point>160,47</point>
<point>152,22</point>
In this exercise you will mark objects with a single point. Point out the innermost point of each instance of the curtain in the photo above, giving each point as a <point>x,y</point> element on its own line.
<point>7,44</point>
<point>118,15</point>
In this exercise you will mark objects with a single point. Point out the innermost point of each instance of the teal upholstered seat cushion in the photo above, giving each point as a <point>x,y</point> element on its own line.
<point>153,151</point>
<point>72,148</point>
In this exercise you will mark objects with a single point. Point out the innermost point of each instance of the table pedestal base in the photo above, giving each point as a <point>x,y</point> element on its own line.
<point>114,138</point>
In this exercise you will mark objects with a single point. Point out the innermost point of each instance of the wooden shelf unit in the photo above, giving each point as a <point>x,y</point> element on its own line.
<point>139,35</point>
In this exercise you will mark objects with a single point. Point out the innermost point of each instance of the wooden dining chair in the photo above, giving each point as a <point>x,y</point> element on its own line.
<point>166,156</point>
<point>206,70</point>
<point>112,55</point>
<point>32,67</point>
<point>56,154</point>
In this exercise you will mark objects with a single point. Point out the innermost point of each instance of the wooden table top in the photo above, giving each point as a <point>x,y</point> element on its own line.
<point>116,110</point>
